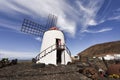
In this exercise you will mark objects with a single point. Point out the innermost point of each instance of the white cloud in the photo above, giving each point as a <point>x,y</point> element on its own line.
<point>114,18</point>
<point>69,27</point>
<point>39,8</point>
<point>92,22</point>
<point>116,15</point>
<point>18,55</point>
<point>99,31</point>
<point>105,29</point>
<point>84,12</point>
<point>88,12</point>
<point>38,39</point>
<point>10,25</point>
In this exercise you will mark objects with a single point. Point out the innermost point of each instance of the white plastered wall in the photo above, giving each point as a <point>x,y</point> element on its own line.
<point>65,58</point>
<point>49,39</point>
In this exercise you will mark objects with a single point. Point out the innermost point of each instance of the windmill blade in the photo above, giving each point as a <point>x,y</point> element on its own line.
<point>52,21</point>
<point>32,28</point>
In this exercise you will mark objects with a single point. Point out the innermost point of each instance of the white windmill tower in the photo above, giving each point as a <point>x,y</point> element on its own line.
<point>53,48</point>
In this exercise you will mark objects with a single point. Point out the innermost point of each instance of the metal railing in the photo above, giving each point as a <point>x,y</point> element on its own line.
<point>51,49</point>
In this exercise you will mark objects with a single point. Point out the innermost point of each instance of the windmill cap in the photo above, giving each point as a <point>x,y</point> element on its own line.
<point>54,28</point>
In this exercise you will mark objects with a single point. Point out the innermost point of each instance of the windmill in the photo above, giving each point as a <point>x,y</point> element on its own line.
<point>53,48</point>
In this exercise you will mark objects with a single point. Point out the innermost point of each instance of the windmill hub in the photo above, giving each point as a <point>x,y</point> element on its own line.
<point>54,28</point>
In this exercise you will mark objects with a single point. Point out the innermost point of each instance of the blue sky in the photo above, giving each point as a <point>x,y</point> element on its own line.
<point>84,22</point>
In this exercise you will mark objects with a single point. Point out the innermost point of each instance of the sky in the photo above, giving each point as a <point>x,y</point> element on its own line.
<point>84,23</point>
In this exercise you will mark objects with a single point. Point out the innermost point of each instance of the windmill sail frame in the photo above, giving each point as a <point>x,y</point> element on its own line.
<point>36,29</point>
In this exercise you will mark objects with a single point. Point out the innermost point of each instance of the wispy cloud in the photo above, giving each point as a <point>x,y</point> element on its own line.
<point>38,39</point>
<point>19,55</point>
<point>69,16</point>
<point>99,31</point>
<point>37,8</point>
<point>88,11</point>
<point>105,30</point>
<point>9,25</point>
<point>114,18</point>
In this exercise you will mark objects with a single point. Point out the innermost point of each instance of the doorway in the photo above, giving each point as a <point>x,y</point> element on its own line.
<point>58,43</point>
<point>59,51</point>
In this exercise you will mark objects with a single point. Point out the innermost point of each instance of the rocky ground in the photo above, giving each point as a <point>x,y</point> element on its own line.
<point>29,71</point>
